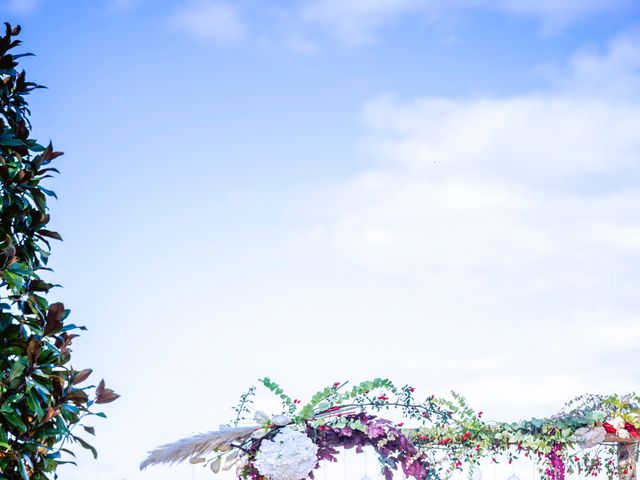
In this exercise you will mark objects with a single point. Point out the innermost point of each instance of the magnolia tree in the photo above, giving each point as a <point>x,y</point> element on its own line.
<point>44,402</point>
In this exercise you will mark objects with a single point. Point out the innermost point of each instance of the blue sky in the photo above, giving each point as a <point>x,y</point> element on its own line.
<point>445,193</point>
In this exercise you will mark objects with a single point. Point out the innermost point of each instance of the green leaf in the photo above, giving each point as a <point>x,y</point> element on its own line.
<point>23,471</point>
<point>48,192</point>
<point>20,269</point>
<point>86,445</point>
<point>14,419</point>
<point>48,233</point>
<point>39,199</point>
<point>11,142</point>
<point>17,370</point>
<point>14,280</point>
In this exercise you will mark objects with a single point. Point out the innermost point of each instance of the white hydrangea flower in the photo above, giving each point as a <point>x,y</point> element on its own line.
<point>290,455</point>
<point>623,433</point>
<point>280,420</point>
<point>617,423</point>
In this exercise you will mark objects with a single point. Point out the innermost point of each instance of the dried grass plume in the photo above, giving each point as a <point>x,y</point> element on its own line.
<point>197,446</point>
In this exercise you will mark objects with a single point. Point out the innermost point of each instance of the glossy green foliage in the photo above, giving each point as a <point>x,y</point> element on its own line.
<point>43,402</point>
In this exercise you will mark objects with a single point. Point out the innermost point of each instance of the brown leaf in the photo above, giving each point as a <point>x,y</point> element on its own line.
<point>100,388</point>
<point>52,412</point>
<point>49,154</point>
<point>56,311</point>
<point>81,376</point>
<point>78,397</point>
<point>38,285</point>
<point>107,396</point>
<point>63,342</point>
<point>58,385</point>
<point>54,318</point>
<point>48,233</point>
<point>33,350</point>
<point>43,218</point>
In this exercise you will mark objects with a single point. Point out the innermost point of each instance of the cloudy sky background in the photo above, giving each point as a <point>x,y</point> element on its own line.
<point>442,192</point>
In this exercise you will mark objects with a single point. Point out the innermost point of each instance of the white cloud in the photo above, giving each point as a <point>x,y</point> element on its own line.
<point>612,74</point>
<point>22,7</point>
<point>211,21</point>
<point>356,21</point>
<point>359,22</point>
<point>511,133</point>
<point>477,191</point>
<point>522,211</point>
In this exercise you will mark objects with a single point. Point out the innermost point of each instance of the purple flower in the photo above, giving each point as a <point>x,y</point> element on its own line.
<point>347,431</point>
<point>375,430</point>
<point>393,448</point>
<point>555,469</point>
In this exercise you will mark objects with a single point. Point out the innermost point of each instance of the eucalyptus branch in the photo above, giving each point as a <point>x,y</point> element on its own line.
<point>245,400</point>
<point>390,404</point>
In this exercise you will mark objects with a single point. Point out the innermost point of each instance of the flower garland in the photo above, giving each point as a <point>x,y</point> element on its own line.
<point>444,435</point>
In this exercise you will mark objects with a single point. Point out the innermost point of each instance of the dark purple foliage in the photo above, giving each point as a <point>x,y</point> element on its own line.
<point>386,439</point>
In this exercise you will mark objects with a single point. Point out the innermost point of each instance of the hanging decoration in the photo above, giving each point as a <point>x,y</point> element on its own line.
<point>436,436</point>
<point>475,473</point>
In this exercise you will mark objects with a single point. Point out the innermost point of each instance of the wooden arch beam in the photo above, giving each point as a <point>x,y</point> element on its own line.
<point>627,455</point>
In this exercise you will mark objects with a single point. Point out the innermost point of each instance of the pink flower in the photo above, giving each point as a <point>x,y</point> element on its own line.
<point>375,430</point>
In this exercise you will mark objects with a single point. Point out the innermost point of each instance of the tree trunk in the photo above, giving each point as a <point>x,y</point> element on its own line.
<point>627,457</point>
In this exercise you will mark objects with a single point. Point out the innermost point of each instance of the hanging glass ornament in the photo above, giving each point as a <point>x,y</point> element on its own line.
<point>475,473</point>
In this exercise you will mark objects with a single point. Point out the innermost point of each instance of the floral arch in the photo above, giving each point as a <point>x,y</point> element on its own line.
<point>434,438</point>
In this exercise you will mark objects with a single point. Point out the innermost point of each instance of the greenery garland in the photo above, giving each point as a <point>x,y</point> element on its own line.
<point>439,436</point>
